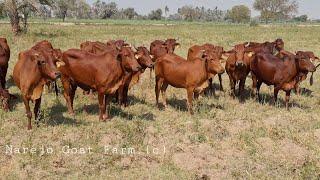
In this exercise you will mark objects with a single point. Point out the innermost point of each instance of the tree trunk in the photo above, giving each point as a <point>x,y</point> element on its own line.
<point>25,23</point>
<point>14,17</point>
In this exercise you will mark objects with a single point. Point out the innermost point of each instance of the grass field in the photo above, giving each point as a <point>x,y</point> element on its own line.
<point>224,139</point>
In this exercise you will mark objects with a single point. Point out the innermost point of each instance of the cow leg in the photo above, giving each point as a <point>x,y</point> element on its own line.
<point>254,84</point>
<point>28,111</point>
<point>107,100</point>
<point>67,93</point>
<point>120,95</point>
<point>297,88</point>
<point>159,82</point>
<point>125,95</point>
<point>190,96</point>
<point>287,99</point>
<point>163,93</point>
<point>259,83</point>
<point>241,88</point>
<point>102,106</point>
<point>275,94</point>
<point>36,110</point>
<point>211,85</point>
<point>220,81</point>
<point>232,86</point>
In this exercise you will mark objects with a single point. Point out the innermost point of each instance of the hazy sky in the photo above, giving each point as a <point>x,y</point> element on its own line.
<point>309,7</point>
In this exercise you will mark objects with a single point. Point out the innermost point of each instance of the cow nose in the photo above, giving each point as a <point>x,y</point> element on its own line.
<point>57,74</point>
<point>239,63</point>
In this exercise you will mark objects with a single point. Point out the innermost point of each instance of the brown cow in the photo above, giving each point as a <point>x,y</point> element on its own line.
<point>282,73</point>
<point>303,75</point>
<point>4,63</point>
<point>238,67</point>
<point>192,75</point>
<point>131,78</point>
<point>196,51</point>
<point>268,47</point>
<point>47,50</point>
<point>103,73</point>
<point>32,71</point>
<point>159,48</point>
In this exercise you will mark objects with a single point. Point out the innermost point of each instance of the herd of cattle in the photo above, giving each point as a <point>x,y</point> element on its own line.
<point>111,69</point>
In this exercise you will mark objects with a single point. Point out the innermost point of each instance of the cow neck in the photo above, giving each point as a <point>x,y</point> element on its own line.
<point>206,68</point>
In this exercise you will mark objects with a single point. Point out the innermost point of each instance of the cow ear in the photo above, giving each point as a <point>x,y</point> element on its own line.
<point>177,45</point>
<point>246,43</point>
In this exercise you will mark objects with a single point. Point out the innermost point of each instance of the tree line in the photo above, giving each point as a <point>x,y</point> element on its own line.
<point>18,11</point>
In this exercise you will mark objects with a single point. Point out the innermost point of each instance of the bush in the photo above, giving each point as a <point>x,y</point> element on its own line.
<point>253,23</point>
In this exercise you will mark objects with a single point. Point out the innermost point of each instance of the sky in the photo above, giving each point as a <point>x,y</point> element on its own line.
<point>309,7</point>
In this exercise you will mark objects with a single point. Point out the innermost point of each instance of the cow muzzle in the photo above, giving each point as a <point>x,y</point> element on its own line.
<point>240,64</point>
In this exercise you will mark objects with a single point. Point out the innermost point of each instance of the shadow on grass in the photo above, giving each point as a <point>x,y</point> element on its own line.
<point>181,105</point>
<point>306,92</point>
<point>55,116</point>
<point>115,111</point>
<point>268,99</point>
<point>14,101</point>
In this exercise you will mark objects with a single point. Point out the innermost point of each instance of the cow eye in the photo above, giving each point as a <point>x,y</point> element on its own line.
<point>43,62</point>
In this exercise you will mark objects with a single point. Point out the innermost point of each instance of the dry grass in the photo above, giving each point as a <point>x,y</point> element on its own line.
<point>224,139</point>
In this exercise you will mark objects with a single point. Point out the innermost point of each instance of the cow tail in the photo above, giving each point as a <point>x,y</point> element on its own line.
<point>311,79</point>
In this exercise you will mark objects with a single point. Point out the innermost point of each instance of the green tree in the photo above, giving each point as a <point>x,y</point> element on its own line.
<point>82,10</point>
<point>62,8</point>
<point>275,9</point>
<point>21,9</point>
<point>302,18</point>
<point>129,13</point>
<point>239,14</point>
<point>155,14</point>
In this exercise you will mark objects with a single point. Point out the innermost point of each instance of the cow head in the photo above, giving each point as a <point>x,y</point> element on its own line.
<point>304,63</point>
<point>46,66</point>
<point>213,63</point>
<point>309,54</point>
<point>171,45</point>
<point>239,52</point>
<point>144,58</point>
<point>128,60</point>
<point>117,44</point>
<point>4,99</point>
<point>279,44</point>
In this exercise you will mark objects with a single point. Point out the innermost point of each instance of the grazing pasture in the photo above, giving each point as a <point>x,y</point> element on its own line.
<point>223,139</point>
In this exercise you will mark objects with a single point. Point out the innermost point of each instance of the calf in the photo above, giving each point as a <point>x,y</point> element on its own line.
<point>173,70</point>
<point>303,75</point>
<point>282,73</point>
<point>55,55</point>
<point>238,67</point>
<point>104,73</point>
<point>144,59</point>
<point>160,48</point>
<point>32,71</point>
<point>196,52</point>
